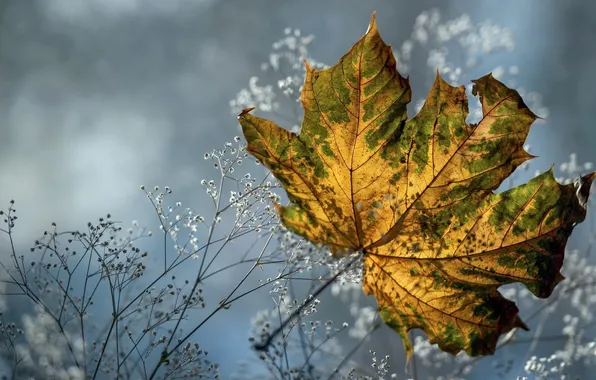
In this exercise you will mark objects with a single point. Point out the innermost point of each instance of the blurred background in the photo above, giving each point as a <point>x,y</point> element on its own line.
<point>98,97</point>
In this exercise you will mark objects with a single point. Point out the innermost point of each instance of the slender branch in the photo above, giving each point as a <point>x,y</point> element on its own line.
<point>264,345</point>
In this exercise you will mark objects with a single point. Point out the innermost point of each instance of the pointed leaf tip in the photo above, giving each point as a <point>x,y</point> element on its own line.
<point>245,111</point>
<point>520,324</point>
<point>372,25</point>
<point>307,65</point>
<point>583,186</point>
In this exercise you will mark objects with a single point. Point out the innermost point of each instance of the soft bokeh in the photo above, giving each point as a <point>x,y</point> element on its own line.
<point>99,97</point>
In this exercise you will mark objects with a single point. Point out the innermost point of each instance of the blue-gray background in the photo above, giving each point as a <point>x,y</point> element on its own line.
<point>100,96</point>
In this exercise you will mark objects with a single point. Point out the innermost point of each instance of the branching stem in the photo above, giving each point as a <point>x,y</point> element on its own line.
<point>264,345</point>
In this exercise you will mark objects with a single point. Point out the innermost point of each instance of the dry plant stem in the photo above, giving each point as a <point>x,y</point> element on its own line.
<point>354,350</point>
<point>315,349</point>
<point>538,332</point>
<point>300,332</point>
<point>121,311</point>
<point>413,360</point>
<point>267,342</point>
<point>14,257</point>
<point>222,305</point>
<point>113,324</point>
<point>199,275</point>
<point>26,291</point>
<point>284,346</point>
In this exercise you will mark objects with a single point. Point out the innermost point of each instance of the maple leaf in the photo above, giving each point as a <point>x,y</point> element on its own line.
<point>417,196</point>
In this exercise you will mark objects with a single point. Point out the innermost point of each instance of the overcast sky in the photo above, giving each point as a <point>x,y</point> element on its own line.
<point>98,97</point>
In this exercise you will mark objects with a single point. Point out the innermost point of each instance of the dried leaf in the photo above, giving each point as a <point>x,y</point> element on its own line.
<point>417,196</point>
